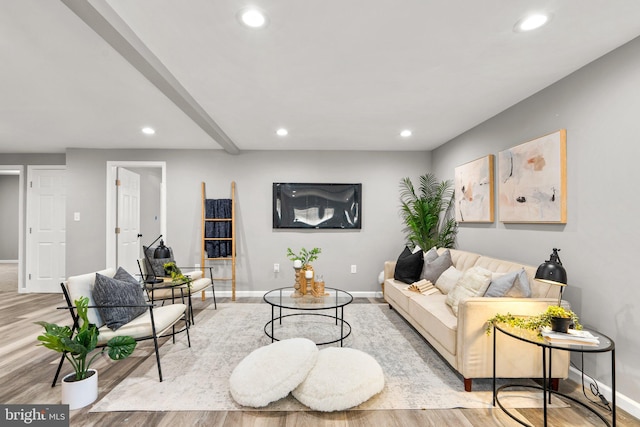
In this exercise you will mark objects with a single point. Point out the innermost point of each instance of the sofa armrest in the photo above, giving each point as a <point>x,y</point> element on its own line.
<point>474,354</point>
<point>389,269</point>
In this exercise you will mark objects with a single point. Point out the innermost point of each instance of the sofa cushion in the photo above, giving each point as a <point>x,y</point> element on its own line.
<point>109,291</point>
<point>448,279</point>
<point>435,316</point>
<point>397,295</point>
<point>433,269</point>
<point>474,282</point>
<point>409,266</point>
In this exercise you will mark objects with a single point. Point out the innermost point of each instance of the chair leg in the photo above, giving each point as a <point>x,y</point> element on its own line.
<point>55,379</point>
<point>188,337</point>
<point>155,344</point>
<point>213,289</point>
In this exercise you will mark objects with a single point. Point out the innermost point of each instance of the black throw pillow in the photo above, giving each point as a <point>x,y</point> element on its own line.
<point>409,266</point>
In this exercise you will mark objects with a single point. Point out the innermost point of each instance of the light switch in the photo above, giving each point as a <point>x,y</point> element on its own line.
<point>76,216</point>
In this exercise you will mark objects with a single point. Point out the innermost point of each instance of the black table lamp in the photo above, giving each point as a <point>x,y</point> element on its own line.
<point>162,251</point>
<point>552,272</point>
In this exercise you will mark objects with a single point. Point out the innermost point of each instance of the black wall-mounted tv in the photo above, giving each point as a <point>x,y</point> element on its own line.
<point>301,205</point>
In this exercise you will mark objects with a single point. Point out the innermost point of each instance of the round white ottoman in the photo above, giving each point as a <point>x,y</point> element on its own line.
<point>270,373</point>
<point>341,379</point>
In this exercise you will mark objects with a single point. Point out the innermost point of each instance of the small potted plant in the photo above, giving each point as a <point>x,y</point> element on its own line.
<point>557,318</point>
<point>81,387</point>
<point>304,257</point>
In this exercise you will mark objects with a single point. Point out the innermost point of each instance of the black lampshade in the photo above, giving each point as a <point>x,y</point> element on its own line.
<point>162,251</point>
<point>552,271</point>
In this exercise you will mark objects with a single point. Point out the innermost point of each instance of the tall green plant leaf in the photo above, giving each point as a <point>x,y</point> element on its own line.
<point>427,214</point>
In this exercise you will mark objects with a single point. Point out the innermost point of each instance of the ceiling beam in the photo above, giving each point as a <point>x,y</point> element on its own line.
<point>102,19</point>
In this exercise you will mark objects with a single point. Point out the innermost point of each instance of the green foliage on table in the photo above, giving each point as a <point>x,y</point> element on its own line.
<point>77,348</point>
<point>304,256</point>
<point>428,214</point>
<point>534,323</point>
<point>173,271</point>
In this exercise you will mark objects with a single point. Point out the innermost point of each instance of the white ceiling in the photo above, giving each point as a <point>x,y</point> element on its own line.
<point>340,75</point>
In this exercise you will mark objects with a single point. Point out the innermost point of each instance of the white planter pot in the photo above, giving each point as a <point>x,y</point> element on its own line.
<point>78,394</point>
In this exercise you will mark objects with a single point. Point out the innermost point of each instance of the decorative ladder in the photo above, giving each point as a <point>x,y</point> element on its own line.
<point>232,239</point>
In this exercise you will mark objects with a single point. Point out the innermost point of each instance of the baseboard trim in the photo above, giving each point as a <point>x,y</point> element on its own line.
<point>8,261</point>
<point>248,294</point>
<point>622,401</point>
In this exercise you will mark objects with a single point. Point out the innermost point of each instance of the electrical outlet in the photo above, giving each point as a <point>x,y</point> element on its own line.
<point>276,268</point>
<point>354,269</point>
<point>197,266</point>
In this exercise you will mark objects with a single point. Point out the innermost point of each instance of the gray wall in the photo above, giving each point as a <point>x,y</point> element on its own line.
<point>9,191</point>
<point>259,245</point>
<point>598,105</point>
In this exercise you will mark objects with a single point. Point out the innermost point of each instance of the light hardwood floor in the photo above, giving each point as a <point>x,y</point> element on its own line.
<point>26,371</point>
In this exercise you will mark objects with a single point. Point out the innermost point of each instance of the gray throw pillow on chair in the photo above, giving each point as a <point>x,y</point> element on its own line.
<point>157,264</point>
<point>112,292</point>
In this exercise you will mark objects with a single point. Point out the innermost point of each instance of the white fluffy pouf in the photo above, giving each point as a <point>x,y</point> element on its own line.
<point>270,373</point>
<point>341,379</point>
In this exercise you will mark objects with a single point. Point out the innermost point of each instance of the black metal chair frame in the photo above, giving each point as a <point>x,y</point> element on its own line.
<point>150,287</point>
<point>74,315</point>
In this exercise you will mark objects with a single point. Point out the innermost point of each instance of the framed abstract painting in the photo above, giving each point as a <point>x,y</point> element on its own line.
<point>474,194</point>
<point>532,181</point>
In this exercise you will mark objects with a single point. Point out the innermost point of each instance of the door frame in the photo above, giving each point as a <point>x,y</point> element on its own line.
<point>112,202</point>
<point>21,248</point>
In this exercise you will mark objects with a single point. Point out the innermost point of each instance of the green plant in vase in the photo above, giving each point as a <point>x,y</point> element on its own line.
<point>304,255</point>
<point>76,348</point>
<point>536,323</point>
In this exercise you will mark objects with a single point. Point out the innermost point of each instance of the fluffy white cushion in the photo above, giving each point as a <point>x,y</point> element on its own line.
<point>341,379</point>
<point>269,373</point>
<point>474,282</point>
<point>448,279</point>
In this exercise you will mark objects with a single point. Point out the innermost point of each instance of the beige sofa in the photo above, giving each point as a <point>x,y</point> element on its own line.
<point>462,340</point>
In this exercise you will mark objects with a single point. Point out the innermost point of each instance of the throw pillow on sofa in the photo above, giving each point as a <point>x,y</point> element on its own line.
<point>409,266</point>
<point>433,269</point>
<point>448,279</point>
<point>514,284</point>
<point>521,287</point>
<point>474,283</point>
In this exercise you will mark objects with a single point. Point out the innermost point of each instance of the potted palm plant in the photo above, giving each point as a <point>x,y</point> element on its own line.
<point>80,388</point>
<point>427,212</point>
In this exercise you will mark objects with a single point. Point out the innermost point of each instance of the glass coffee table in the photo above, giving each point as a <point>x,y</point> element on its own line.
<point>308,305</point>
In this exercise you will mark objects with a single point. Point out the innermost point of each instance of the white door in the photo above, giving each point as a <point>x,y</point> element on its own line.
<point>128,220</point>
<point>46,230</point>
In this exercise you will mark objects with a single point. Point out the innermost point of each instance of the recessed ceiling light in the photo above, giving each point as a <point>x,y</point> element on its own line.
<point>531,22</point>
<point>406,133</point>
<point>253,18</point>
<point>282,132</point>
<point>148,131</point>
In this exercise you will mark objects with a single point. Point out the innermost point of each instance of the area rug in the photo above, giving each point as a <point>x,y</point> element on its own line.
<point>197,378</point>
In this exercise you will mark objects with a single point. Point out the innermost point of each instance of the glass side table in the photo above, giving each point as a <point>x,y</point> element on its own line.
<point>336,299</point>
<point>605,345</point>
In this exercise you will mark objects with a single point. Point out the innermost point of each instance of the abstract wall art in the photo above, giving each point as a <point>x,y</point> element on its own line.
<point>532,181</point>
<point>474,194</point>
